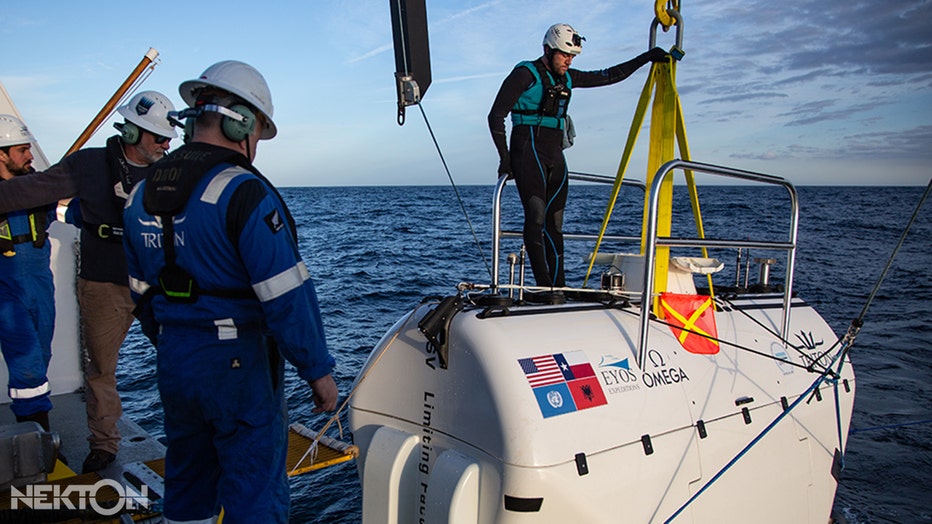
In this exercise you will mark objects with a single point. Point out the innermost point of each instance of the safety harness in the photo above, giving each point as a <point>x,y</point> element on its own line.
<point>120,173</point>
<point>37,223</point>
<point>166,194</point>
<point>545,103</point>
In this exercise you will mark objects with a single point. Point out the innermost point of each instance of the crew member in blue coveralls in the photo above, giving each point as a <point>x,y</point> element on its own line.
<point>101,178</point>
<point>537,94</point>
<point>223,301</point>
<point>27,292</point>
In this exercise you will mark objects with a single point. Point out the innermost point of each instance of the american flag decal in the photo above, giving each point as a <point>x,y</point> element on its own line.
<point>541,371</point>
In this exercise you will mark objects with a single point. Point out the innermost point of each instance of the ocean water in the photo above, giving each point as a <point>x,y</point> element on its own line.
<point>375,252</point>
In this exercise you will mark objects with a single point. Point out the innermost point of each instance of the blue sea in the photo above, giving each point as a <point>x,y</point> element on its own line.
<point>375,252</point>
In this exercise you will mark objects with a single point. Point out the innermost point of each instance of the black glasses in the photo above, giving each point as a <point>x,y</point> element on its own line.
<point>159,139</point>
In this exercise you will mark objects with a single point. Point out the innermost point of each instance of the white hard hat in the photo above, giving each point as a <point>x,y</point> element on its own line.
<point>149,110</point>
<point>239,79</point>
<point>13,132</point>
<point>564,38</point>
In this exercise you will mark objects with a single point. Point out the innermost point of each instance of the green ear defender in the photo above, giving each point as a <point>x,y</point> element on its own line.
<point>238,130</point>
<point>188,129</point>
<point>131,133</point>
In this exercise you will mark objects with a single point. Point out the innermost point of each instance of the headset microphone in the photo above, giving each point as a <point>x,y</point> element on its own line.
<point>237,124</point>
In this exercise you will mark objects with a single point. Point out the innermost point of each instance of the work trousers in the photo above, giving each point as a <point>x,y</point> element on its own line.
<point>27,320</point>
<point>106,316</point>
<point>225,427</point>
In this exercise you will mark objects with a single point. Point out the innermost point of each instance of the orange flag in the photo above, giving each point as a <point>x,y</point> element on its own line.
<point>692,320</point>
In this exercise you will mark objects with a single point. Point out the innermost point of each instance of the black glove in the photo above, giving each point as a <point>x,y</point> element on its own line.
<point>504,166</point>
<point>657,55</point>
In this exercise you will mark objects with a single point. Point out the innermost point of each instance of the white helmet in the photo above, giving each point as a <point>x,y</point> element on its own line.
<point>13,132</point>
<point>564,38</point>
<point>239,79</point>
<point>149,110</point>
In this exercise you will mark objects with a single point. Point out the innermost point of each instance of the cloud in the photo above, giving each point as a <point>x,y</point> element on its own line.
<point>908,143</point>
<point>743,97</point>
<point>467,12</point>
<point>369,54</point>
<point>874,145</point>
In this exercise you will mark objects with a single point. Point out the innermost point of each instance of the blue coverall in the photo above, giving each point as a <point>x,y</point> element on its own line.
<point>219,379</point>
<point>27,316</point>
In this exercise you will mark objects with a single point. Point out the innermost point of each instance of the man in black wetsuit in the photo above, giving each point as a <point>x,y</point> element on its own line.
<point>537,95</point>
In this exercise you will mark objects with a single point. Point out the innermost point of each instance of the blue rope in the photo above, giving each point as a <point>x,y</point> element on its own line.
<point>841,438</point>
<point>757,439</point>
<point>891,426</point>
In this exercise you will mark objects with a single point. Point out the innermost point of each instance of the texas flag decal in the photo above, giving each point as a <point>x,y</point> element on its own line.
<point>692,320</point>
<point>562,382</point>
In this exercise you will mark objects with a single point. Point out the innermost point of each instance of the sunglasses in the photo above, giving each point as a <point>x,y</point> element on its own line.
<point>159,139</point>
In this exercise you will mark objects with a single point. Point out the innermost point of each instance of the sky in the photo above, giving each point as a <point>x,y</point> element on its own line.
<point>819,93</point>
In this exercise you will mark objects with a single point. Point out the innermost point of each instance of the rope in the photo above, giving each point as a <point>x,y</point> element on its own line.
<point>743,348</point>
<point>814,361</point>
<point>858,322</point>
<point>895,251</point>
<point>846,344</point>
<point>312,449</point>
<point>488,268</point>
<point>818,381</point>
<point>891,426</point>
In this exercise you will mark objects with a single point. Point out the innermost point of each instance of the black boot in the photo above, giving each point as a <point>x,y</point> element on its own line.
<point>97,460</point>
<point>42,418</point>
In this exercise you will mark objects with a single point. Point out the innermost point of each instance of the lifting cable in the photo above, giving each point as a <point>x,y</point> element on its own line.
<point>722,341</point>
<point>488,268</point>
<point>744,348</point>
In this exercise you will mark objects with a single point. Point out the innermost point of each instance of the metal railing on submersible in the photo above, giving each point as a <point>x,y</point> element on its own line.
<point>498,233</point>
<point>653,240</point>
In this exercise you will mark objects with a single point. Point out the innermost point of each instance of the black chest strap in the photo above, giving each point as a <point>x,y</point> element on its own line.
<point>168,188</point>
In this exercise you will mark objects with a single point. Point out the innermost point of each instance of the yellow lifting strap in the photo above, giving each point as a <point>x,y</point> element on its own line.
<point>662,136</point>
<point>667,127</point>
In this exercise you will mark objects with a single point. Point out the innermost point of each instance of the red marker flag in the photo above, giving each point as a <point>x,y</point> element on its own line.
<point>692,320</point>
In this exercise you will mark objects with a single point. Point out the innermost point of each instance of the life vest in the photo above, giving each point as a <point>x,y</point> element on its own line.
<point>38,221</point>
<point>166,193</point>
<point>544,103</point>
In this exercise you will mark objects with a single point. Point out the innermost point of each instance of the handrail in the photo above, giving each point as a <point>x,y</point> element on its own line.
<point>653,240</point>
<point>498,232</point>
